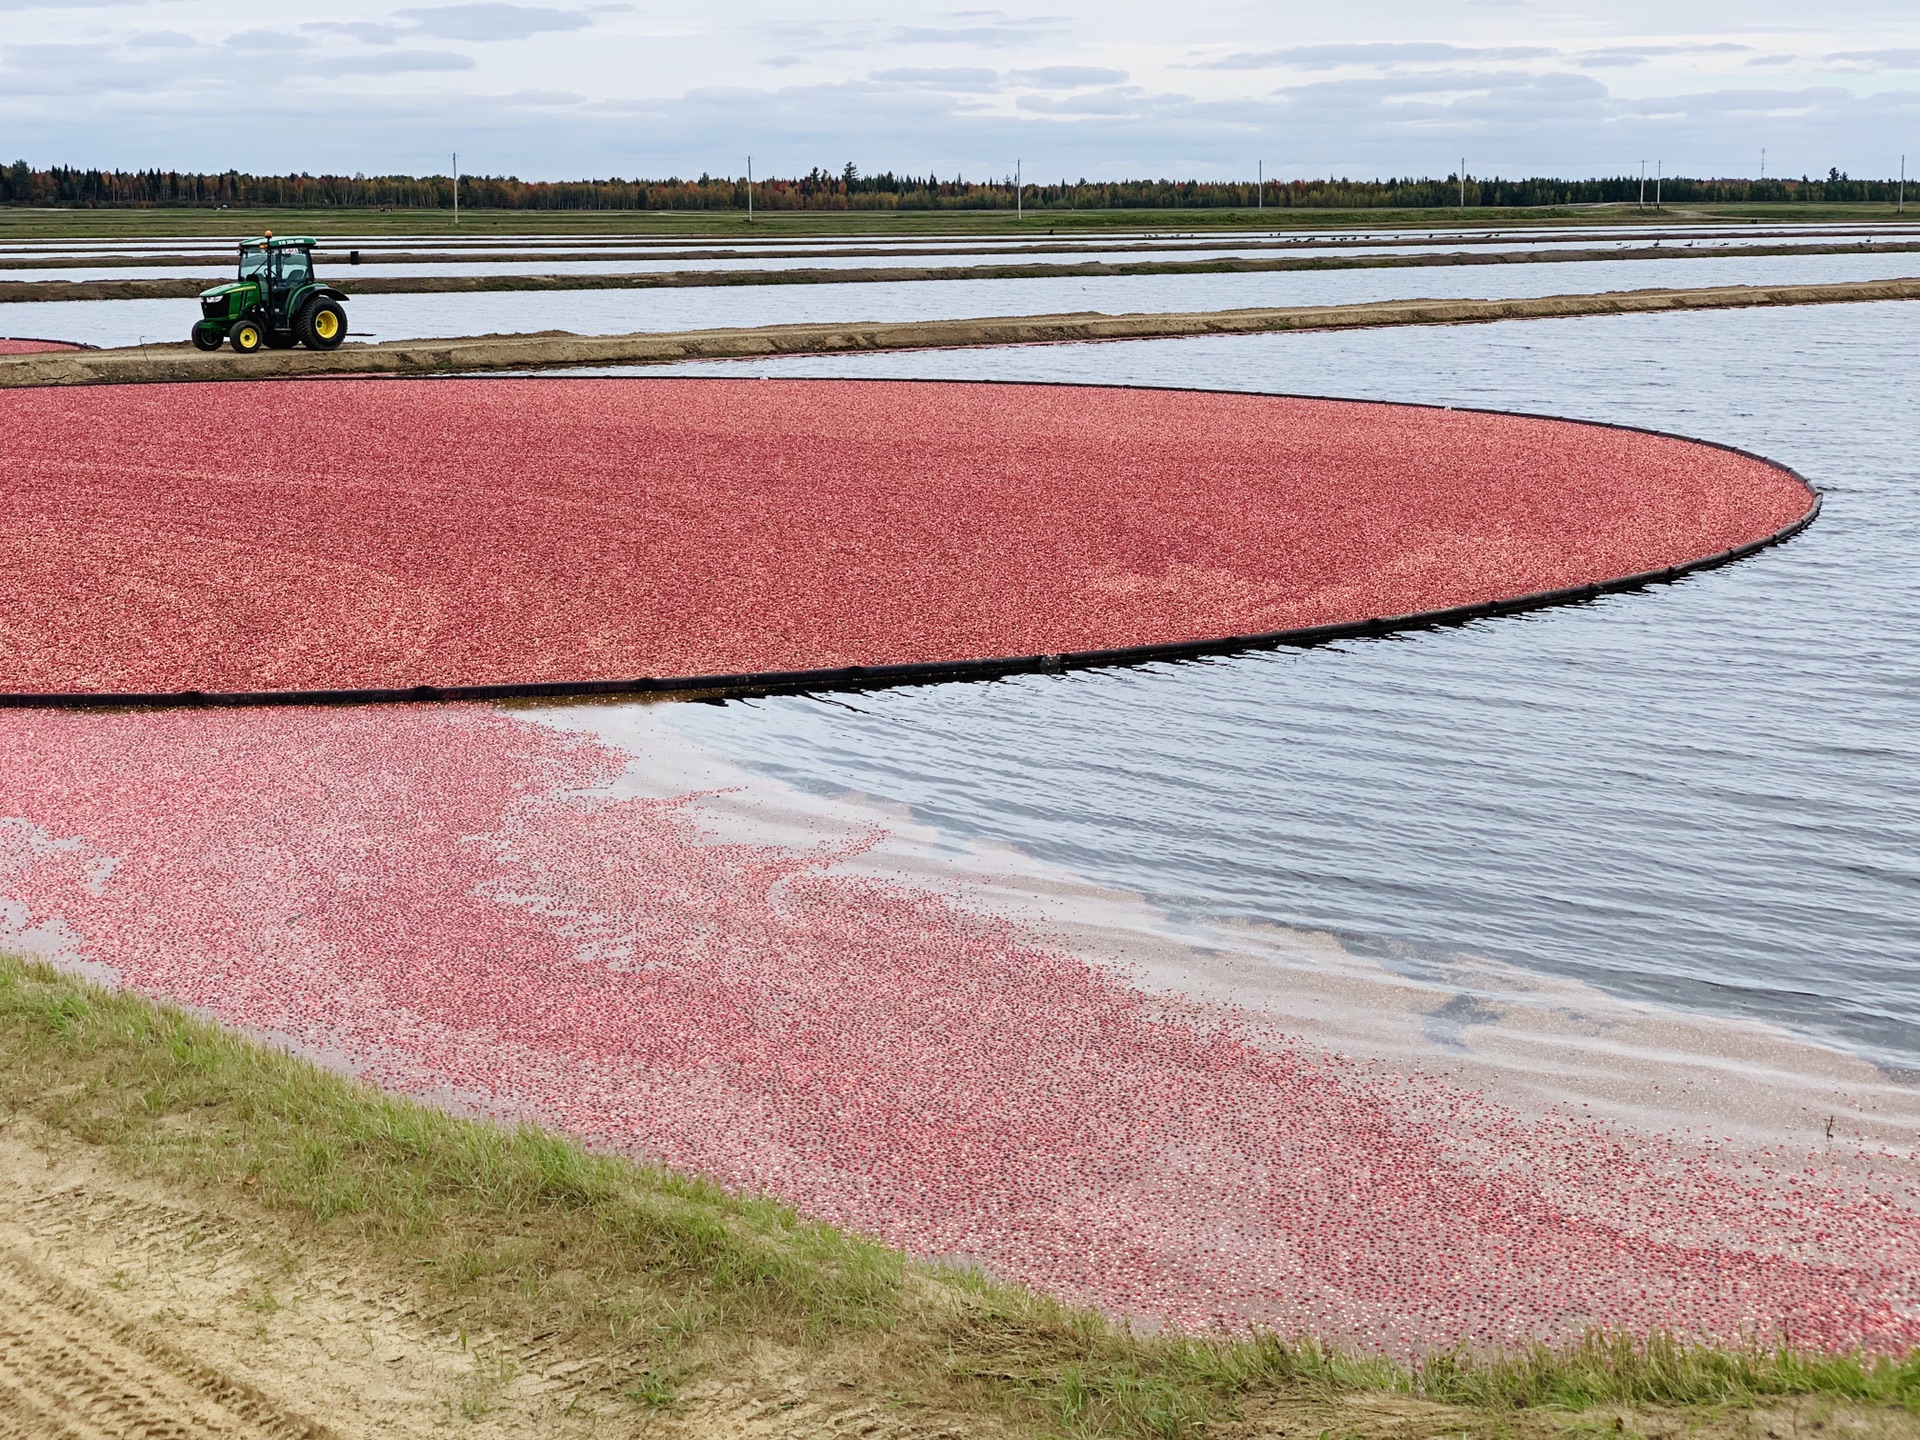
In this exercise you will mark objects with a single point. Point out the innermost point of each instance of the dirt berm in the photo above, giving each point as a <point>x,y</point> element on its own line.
<point>559,348</point>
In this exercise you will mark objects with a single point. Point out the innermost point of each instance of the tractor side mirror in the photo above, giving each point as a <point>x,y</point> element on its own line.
<point>353,257</point>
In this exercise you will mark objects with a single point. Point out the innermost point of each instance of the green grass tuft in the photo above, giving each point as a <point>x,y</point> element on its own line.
<point>1663,1371</point>
<point>530,1232</point>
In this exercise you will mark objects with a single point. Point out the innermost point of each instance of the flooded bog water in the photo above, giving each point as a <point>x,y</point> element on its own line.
<point>1474,985</point>
<point>1705,795</point>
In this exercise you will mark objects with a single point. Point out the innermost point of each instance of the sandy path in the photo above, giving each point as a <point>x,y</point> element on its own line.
<point>127,1310</point>
<point>67,1367</point>
<point>133,1308</point>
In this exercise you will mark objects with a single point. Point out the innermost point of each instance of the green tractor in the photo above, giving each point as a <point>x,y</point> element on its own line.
<point>276,302</point>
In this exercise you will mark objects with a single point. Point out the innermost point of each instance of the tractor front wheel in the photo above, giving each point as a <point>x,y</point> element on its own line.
<point>323,325</point>
<point>248,335</point>
<point>207,337</point>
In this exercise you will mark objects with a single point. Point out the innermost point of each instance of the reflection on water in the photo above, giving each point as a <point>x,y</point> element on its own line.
<point>615,312</point>
<point>1706,794</point>
<point>433,258</point>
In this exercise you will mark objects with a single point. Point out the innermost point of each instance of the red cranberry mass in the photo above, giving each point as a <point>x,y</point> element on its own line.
<point>379,534</point>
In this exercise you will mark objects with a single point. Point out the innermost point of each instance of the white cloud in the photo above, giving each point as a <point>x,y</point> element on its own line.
<point>367,32</point>
<point>1907,59</point>
<point>53,70</point>
<point>400,62</point>
<point>1094,87</point>
<point>492,22</point>
<point>814,36</point>
<point>955,79</point>
<point>1384,53</point>
<point>1625,56</point>
<point>268,41</point>
<point>1067,77</point>
<point>1118,100</point>
<point>984,29</point>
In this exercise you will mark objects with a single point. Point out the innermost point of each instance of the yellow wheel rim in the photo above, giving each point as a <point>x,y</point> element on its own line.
<point>326,325</point>
<point>249,337</point>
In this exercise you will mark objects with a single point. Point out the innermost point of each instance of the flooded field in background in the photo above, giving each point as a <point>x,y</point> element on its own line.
<point>612,312</point>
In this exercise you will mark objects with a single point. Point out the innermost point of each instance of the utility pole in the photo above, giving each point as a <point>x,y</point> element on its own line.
<point>1017,198</point>
<point>1463,182</point>
<point>1763,162</point>
<point>1901,208</point>
<point>749,189</point>
<point>1659,168</point>
<point>1643,184</point>
<point>456,187</point>
<point>1260,186</point>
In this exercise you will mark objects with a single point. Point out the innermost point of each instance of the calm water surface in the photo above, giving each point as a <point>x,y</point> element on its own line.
<point>614,312</point>
<point>1706,794</point>
<point>219,264</point>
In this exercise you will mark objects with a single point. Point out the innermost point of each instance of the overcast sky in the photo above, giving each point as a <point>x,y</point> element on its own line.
<point>1097,88</point>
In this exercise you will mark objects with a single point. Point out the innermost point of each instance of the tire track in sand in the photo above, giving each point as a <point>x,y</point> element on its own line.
<point>134,1308</point>
<point>129,1310</point>
<point>70,1369</point>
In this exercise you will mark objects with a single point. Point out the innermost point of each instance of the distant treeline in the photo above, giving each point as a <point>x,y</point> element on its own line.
<point>850,190</point>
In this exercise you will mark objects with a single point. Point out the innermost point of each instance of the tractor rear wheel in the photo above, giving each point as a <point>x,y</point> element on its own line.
<point>322,325</point>
<point>247,335</point>
<point>207,337</point>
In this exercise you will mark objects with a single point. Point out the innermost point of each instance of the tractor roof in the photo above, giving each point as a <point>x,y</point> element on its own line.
<point>280,242</point>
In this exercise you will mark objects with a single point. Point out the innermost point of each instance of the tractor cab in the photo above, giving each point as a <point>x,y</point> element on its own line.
<point>276,302</point>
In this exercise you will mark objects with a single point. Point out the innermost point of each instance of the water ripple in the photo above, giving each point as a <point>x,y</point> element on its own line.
<point>1706,794</point>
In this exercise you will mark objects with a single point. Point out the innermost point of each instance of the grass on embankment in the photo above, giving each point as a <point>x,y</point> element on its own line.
<point>23,223</point>
<point>526,1233</point>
